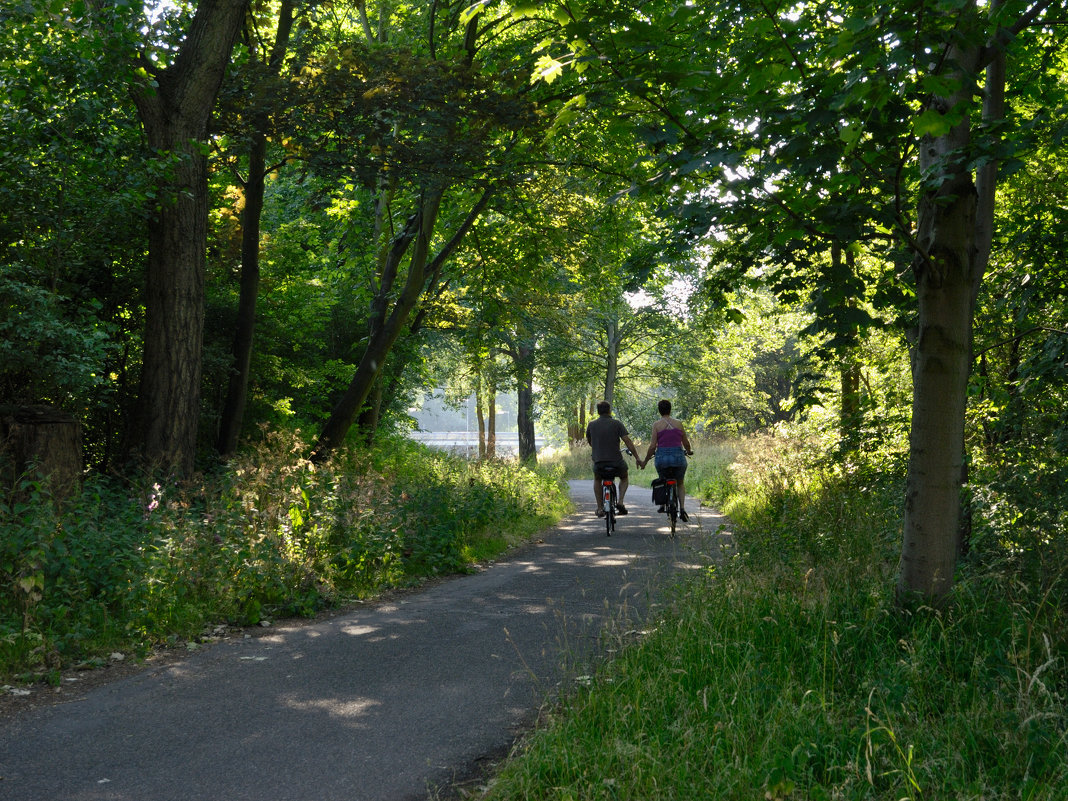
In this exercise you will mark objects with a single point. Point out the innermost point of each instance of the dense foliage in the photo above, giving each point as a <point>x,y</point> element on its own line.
<point>126,568</point>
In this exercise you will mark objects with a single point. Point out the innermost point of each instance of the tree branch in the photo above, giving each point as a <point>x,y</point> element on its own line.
<point>1018,337</point>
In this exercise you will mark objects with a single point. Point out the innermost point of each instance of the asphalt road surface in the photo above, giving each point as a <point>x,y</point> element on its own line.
<point>394,700</point>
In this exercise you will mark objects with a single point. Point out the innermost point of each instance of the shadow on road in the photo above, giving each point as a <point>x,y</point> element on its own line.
<point>383,702</point>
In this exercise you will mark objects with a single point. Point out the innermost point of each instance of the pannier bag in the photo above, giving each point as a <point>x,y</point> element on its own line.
<point>660,491</point>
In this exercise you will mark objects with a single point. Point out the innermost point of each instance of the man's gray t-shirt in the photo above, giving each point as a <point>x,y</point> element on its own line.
<point>605,435</point>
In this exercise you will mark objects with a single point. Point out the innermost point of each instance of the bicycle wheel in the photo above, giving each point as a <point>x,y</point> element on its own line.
<point>673,507</point>
<point>609,500</point>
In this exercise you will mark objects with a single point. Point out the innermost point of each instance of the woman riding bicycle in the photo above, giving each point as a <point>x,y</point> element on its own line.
<point>670,444</point>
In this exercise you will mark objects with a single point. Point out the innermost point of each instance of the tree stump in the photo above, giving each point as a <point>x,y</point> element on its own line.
<point>41,443</point>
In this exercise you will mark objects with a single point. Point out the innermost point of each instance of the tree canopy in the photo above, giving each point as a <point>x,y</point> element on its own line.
<point>222,215</point>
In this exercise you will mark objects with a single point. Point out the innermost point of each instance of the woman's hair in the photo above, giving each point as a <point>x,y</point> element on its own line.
<point>664,407</point>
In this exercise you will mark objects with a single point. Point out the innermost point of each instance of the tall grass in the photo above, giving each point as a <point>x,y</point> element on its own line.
<point>125,567</point>
<point>707,468</point>
<point>788,673</point>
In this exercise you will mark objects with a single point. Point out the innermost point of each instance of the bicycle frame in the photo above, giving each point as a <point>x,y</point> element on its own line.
<point>608,503</point>
<point>672,503</point>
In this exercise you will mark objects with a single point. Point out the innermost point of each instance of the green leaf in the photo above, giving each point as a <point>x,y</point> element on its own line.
<point>468,13</point>
<point>850,134</point>
<point>931,123</point>
<point>547,69</point>
<point>940,85</point>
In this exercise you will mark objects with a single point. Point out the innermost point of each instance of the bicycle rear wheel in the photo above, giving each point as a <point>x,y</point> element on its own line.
<point>673,507</point>
<point>609,500</point>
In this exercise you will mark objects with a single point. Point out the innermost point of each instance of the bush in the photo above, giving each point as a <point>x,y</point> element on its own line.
<point>126,567</point>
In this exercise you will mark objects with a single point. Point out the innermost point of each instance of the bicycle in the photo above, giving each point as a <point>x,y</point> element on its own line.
<point>608,498</point>
<point>671,476</point>
<point>672,506</point>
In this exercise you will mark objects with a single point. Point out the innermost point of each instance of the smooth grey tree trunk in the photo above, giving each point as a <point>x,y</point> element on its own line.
<point>955,230</point>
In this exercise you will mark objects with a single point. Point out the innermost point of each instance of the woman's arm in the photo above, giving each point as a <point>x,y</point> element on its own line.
<point>652,444</point>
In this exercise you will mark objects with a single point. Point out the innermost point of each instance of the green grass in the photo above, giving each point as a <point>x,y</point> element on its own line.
<point>124,567</point>
<point>573,463</point>
<point>707,467</point>
<point>788,673</point>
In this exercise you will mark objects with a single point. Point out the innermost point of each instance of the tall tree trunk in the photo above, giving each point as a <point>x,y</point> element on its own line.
<point>244,330</point>
<point>168,408</point>
<point>612,360</point>
<point>480,417</point>
<point>175,115</point>
<point>245,326</point>
<point>850,384</point>
<point>528,451</point>
<point>491,420</point>
<point>940,365</point>
<point>849,370</point>
<point>576,427</point>
<point>955,226</point>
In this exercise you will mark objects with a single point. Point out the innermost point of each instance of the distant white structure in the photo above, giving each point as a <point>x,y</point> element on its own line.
<point>445,426</point>
<point>466,442</point>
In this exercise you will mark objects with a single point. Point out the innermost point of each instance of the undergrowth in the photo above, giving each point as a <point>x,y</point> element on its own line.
<point>123,567</point>
<point>787,671</point>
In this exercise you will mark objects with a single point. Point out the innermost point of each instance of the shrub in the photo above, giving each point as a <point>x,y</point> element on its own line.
<point>127,566</point>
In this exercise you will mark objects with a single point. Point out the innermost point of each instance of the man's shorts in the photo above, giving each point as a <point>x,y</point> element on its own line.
<point>619,469</point>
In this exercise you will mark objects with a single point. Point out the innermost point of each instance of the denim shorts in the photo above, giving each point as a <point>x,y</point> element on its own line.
<point>671,457</point>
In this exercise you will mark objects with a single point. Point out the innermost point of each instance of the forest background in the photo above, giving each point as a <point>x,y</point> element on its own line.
<point>240,240</point>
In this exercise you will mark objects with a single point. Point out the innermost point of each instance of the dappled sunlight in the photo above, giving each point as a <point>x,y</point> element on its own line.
<point>338,708</point>
<point>678,565</point>
<point>358,631</point>
<point>609,559</point>
<point>278,638</point>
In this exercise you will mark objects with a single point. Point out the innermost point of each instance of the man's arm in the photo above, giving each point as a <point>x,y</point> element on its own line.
<point>632,447</point>
<point>652,446</point>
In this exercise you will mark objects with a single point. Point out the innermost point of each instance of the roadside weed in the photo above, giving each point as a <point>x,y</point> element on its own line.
<point>127,566</point>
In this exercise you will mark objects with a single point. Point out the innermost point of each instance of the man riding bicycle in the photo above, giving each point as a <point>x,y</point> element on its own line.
<point>604,435</point>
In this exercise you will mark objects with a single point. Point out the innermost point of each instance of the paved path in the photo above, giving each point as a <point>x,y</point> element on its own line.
<point>388,702</point>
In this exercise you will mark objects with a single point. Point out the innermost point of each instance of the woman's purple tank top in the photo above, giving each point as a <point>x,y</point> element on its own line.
<point>669,438</point>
